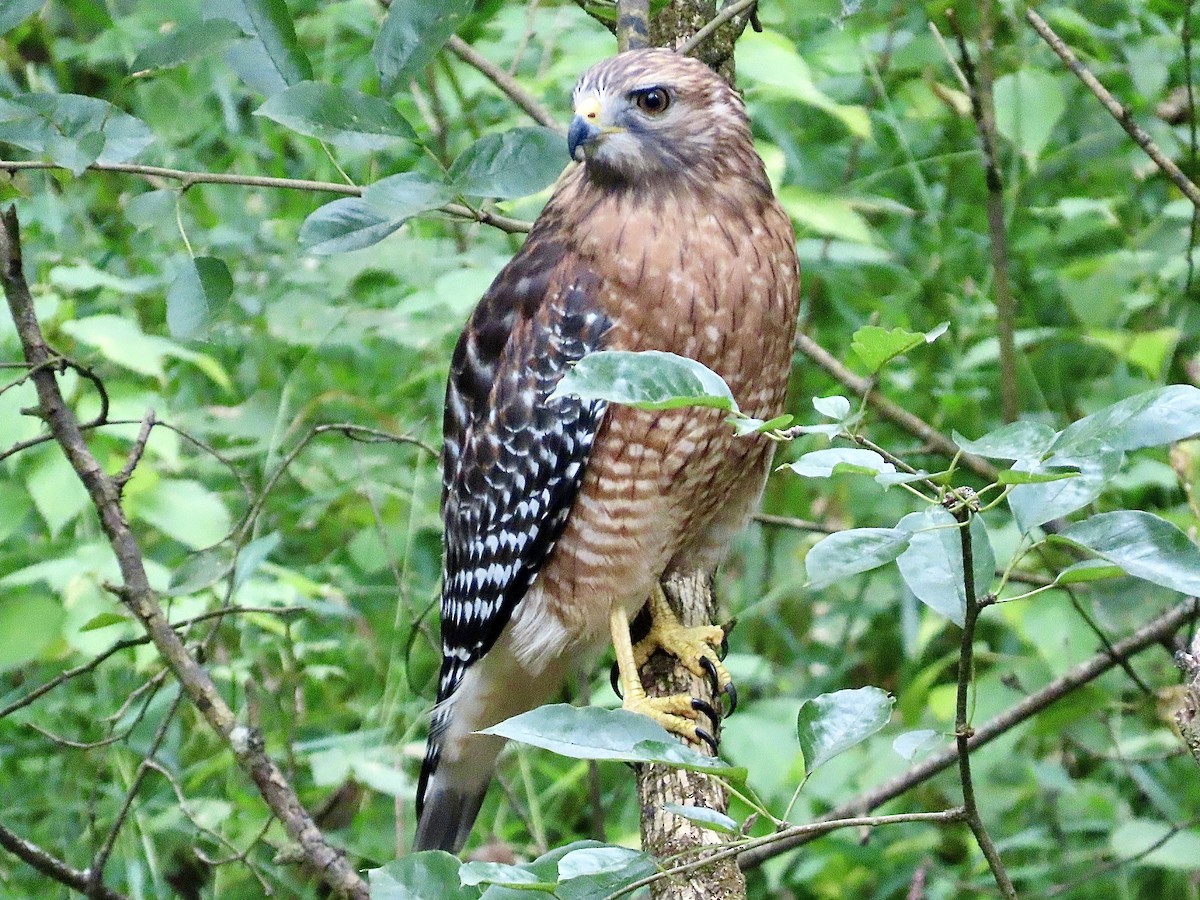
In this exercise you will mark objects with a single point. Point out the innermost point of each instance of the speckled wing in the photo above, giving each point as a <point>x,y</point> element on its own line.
<point>513,459</point>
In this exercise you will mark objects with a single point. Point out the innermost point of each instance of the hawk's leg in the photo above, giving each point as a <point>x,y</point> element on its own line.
<point>693,647</point>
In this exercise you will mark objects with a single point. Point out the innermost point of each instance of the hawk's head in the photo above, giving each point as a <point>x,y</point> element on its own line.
<point>644,113</point>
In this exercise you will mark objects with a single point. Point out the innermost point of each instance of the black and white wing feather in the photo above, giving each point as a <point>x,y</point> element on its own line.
<point>513,459</point>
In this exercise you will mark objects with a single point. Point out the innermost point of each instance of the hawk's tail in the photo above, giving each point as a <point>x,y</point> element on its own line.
<point>449,810</point>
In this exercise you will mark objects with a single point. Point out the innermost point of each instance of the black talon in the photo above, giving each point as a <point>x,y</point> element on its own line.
<point>706,708</point>
<point>614,678</point>
<point>708,739</point>
<point>731,692</point>
<point>710,669</point>
<point>724,651</point>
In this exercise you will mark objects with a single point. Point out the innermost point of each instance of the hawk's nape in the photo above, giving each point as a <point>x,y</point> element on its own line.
<point>561,517</point>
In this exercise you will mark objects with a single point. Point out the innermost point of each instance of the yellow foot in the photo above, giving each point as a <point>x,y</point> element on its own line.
<point>694,647</point>
<point>677,713</point>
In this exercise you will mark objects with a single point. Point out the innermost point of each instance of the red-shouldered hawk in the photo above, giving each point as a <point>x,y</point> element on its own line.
<point>561,516</point>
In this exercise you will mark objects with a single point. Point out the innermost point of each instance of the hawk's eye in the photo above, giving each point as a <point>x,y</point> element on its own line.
<point>653,100</point>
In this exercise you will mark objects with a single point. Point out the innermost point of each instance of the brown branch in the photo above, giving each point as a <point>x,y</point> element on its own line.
<point>505,82</point>
<point>962,727</point>
<point>665,834</point>
<point>914,425</point>
<point>188,178</point>
<point>139,596</point>
<point>1118,111</point>
<point>1147,636</point>
<point>1187,712</point>
<point>811,831</point>
<point>979,85</point>
<point>52,866</point>
<point>633,24</point>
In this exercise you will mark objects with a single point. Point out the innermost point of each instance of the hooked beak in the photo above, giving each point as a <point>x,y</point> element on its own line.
<point>581,134</point>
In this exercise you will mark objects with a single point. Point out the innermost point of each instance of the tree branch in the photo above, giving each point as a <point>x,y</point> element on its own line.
<point>501,79</point>
<point>664,834</point>
<point>1148,635</point>
<point>52,866</point>
<point>1119,112</point>
<point>914,425</point>
<point>633,24</point>
<point>189,178</point>
<point>983,108</point>
<point>140,597</point>
<point>1187,713</point>
<point>962,725</point>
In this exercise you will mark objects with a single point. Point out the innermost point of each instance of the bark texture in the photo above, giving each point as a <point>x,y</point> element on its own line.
<point>665,834</point>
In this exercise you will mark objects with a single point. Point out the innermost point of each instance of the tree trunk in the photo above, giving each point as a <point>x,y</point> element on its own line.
<point>665,834</point>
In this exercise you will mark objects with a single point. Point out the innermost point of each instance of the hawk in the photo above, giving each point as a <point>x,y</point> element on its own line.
<point>562,516</point>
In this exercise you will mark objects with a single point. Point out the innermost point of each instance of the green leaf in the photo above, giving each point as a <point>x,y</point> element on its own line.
<point>1142,544</point>
<point>590,732</point>
<point>187,42</point>
<point>705,818</point>
<point>271,59</point>
<point>932,566</point>
<point>29,623</point>
<point>103,620</point>
<point>153,209</point>
<point>650,379</point>
<point>253,555</point>
<point>203,284</point>
<point>419,876</point>
<point>876,346</point>
<point>403,196</point>
<point>835,407</point>
<point>338,115</point>
<point>1029,103</point>
<point>1087,570</point>
<point>1017,440</point>
<point>344,225</point>
<point>589,862</point>
<point>1016,476</point>
<point>840,460</point>
<point>473,873</point>
<point>14,12</point>
<point>850,552</point>
<point>1151,419</point>
<point>202,569</point>
<point>769,61</point>
<point>1150,351</point>
<point>750,425</point>
<point>834,217</point>
<point>1134,839</point>
<point>1036,504</point>
<point>412,35</point>
<point>914,744</point>
<point>185,510</point>
<point>517,163</point>
<point>833,723</point>
<point>72,130</point>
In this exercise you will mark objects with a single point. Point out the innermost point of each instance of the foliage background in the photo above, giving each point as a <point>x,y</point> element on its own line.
<point>869,140</point>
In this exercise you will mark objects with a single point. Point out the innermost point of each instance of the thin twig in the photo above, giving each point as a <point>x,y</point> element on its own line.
<point>100,859</point>
<point>727,12</point>
<point>1119,112</point>
<point>140,597</point>
<point>52,866</point>
<point>501,79</point>
<point>914,425</point>
<point>809,831</point>
<point>979,86</point>
<point>1147,636</point>
<point>187,179</point>
<point>962,727</point>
